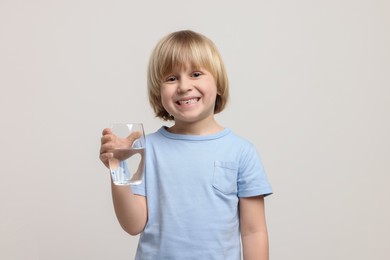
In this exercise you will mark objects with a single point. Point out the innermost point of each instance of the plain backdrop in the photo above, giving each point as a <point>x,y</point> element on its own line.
<point>310,87</point>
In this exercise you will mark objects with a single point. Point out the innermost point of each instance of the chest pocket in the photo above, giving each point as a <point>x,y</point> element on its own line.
<point>225,177</point>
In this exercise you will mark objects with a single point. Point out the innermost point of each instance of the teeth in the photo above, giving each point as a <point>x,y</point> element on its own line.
<point>189,101</point>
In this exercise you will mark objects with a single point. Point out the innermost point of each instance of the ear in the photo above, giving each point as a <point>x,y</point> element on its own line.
<point>218,91</point>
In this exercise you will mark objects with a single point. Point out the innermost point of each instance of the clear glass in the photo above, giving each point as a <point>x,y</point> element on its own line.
<point>128,163</point>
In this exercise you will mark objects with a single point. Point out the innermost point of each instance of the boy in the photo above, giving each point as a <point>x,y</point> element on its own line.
<point>204,187</point>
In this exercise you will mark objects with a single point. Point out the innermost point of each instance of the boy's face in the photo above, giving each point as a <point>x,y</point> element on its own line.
<point>189,95</point>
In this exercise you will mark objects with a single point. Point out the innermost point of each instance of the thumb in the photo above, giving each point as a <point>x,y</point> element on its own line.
<point>134,136</point>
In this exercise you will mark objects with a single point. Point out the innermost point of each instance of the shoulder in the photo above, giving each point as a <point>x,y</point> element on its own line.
<point>156,134</point>
<point>239,141</point>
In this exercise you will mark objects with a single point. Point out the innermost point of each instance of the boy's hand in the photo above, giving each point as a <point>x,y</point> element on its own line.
<point>109,142</point>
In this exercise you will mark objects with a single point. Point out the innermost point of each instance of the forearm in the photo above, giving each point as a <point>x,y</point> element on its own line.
<point>130,209</point>
<point>255,246</point>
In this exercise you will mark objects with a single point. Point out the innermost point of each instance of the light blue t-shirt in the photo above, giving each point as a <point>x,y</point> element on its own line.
<point>192,185</point>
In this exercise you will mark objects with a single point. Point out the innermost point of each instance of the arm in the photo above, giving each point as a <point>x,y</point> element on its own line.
<point>253,228</point>
<point>130,209</point>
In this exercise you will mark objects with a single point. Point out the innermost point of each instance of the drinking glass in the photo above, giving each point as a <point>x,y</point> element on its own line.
<point>128,163</point>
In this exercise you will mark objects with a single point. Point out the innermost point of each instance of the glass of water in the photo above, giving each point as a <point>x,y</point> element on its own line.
<point>128,163</point>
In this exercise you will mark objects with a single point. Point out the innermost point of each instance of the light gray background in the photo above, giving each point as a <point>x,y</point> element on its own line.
<point>309,86</point>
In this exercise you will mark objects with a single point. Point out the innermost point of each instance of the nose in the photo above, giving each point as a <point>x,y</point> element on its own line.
<point>184,85</point>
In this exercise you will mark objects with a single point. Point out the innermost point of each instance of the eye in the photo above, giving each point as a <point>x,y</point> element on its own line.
<point>171,78</point>
<point>196,74</point>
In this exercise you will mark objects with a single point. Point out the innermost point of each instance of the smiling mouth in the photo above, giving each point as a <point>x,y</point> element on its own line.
<point>188,101</point>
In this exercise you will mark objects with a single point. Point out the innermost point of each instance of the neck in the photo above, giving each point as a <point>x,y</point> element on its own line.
<point>198,128</point>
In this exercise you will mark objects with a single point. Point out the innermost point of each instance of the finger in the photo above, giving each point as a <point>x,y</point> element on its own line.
<point>134,136</point>
<point>106,138</point>
<point>105,157</point>
<point>106,131</point>
<point>105,148</point>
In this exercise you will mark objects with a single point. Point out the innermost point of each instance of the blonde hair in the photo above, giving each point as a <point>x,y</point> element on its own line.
<point>176,50</point>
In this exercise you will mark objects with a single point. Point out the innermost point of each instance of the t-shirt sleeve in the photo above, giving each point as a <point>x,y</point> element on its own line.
<point>252,179</point>
<point>139,189</point>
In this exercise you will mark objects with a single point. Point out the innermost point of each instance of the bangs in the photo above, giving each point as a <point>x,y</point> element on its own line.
<point>177,52</point>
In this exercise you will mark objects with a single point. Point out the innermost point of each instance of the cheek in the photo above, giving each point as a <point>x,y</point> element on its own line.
<point>213,93</point>
<point>165,101</point>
